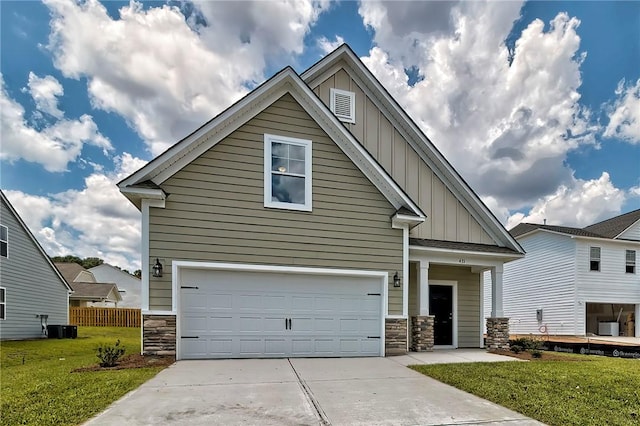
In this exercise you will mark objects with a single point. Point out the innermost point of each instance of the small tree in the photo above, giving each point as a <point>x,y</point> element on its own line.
<point>109,355</point>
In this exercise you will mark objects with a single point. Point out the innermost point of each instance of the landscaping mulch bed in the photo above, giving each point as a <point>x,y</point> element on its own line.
<point>132,361</point>
<point>546,356</point>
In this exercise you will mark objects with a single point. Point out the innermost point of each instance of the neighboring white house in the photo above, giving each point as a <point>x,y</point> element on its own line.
<point>87,291</point>
<point>128,285</point>
<point>574,281</point>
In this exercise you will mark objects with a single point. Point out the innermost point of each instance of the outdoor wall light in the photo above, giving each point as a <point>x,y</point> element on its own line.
<point>396,280</point>
<point>157,269</point>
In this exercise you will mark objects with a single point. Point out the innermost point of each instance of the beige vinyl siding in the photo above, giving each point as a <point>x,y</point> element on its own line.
<point>468,301</point>
<point>215,210</point>
<point>447,218</point>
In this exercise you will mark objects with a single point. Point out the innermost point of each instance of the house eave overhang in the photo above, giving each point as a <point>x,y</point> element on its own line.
<point>504,257</point>
<point>606,240</point>
<point>136,195</point>
<point>436,160</point>
<point>207,136</point>
<point>403,220</point>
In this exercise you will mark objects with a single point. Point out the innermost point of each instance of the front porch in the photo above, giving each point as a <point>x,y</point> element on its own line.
<point>445,296</point>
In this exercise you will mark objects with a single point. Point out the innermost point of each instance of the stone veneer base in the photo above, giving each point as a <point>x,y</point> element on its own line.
<point>395,336</point>
<point>497,333</point>
<point>159,335</point>
<point>422,333</point>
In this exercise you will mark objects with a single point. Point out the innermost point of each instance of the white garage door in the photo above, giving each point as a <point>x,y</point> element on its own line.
<point>238,314</point>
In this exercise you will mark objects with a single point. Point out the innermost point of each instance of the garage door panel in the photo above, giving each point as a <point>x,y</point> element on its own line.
<point>241,314</point>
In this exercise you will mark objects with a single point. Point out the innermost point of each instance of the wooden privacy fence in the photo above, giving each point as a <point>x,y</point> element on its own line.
<point>105,317</point>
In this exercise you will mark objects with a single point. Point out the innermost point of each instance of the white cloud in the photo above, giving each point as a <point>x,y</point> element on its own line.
<point>53,146</point>
<point>582,203</point>
<point>94,221</point>
<point>624,114</point>
<point>506,120</point>
<point>167,74</point>
<point>45,92</point>
<point>328,46</point>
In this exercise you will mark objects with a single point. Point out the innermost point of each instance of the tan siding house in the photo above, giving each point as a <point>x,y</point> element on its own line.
<point>312,218</point>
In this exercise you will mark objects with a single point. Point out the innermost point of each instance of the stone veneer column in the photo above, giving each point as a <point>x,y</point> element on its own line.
<point>422,333</point>
<point>159,335</point>
<point>497,333</point>
<point>395,336</point>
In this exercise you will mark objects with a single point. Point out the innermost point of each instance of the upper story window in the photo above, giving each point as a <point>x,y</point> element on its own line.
<point>594,259</point>
<point>287,173</point>
<point>630,262</point>
<point>4,241</point>
<point>343,105</point>
<point>3,303</point>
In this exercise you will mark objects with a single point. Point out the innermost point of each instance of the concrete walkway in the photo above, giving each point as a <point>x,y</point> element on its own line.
<point>343,391</point>
<point>451,356</point>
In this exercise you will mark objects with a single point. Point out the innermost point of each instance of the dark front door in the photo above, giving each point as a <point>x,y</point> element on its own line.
<point>441,307</point>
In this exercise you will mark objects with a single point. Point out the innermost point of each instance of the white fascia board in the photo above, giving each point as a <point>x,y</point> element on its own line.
<point>400,221</point>
<point>182,153</point>
<point>436,161</point>
<point>35,242</point>
<point>606,240</point>
<point>353,149</point>
<point>473,255</point>
<point>627,228</point>
<point>148,193</point>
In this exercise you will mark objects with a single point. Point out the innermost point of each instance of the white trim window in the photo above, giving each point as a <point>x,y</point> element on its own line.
<point>343,105</point>
<point>594,258</point>
<point>3,303</point>
<point>287,173</point>
<point>4,241</point>
<point>630,262</point>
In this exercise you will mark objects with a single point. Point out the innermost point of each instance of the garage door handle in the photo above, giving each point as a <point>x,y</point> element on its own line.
<point>374,294</point>
<point>186,286</point>
<point>373,337</point>
<point>190,337</point>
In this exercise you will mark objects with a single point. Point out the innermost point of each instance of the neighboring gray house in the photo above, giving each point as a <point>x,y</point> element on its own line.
<point>575,281</point>
<point>87,291</point>
<point>313,218</point>
<point>32,291</point>
<point>128,285</point>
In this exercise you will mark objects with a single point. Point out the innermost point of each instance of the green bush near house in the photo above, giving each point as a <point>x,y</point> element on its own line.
<point>37,385</point>
<point>596,392</point>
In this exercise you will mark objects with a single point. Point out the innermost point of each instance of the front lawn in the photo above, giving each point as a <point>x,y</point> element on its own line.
<point>597,391</point>
<point>37,385</point>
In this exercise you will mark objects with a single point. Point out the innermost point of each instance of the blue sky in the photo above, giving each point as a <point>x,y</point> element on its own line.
<point>537,104</point>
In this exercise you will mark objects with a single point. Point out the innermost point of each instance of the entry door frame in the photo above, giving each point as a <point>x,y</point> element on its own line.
<point>454,308</point>
<point>178,266</point>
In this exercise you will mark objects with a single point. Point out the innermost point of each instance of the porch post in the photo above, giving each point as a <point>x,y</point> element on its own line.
<point>423,289</point>
<point>497,324</point>
<point>637,320</point>
<point>496,292</point>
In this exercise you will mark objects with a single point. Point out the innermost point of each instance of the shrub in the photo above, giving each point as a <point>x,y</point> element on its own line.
<point>516,349</point>
<point>536,353</point>
<point>527,343</point>
<point>109,355</point>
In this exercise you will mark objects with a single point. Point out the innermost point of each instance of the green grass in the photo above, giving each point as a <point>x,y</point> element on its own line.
<point>596,392</point>
<point>38,387</point>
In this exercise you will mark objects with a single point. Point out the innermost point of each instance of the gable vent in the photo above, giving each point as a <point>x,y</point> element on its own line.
<point>343,105</point>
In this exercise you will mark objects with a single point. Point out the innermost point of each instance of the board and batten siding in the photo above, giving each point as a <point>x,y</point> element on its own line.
<point>32,286</point>
<point>609,285</point>
<point>447,218</point>
<point>543,279</point>
<point>215,210</point>
<point>468,301</point>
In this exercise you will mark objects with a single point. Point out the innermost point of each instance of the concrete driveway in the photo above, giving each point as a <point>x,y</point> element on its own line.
<point>343,391</point>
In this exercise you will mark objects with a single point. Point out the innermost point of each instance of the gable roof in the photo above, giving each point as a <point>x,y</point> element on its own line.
<point>71,270</point>
<point>141,183</point>
<point>608,229</point>
<point>416,137</point>
<point>93,291</point>
<point>113,268</point>
<point>612,228</point>
<point>33,239</point>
